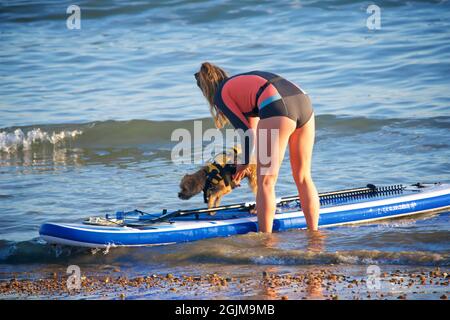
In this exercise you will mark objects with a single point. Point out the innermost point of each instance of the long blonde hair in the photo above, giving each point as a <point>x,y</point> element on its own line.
<point>208,79</point>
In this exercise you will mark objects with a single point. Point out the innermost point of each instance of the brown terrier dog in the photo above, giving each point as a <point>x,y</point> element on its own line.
<point>216,179</point>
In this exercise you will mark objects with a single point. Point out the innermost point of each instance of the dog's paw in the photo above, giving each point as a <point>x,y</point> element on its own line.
<point>212,213</point>
<point>252,210</point>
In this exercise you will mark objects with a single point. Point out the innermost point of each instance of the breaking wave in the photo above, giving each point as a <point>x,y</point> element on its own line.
<point>104,134</point>
<point>11,142</point>
<point>35,251</point>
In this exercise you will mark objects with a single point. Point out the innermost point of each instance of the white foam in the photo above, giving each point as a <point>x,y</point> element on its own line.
<point>12,141</point>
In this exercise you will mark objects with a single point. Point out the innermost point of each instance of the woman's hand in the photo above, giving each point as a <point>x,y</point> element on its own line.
<point>240,172</point>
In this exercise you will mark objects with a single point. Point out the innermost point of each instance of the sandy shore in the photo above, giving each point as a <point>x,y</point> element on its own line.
<point>325,283</point>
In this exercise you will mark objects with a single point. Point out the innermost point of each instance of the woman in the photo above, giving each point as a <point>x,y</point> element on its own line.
<point>264,102</point>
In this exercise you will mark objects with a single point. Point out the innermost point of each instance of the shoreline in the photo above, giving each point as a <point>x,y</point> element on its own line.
<point>325,283</point>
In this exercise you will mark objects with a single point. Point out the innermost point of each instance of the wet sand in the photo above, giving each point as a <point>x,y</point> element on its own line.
<point>330,283</point>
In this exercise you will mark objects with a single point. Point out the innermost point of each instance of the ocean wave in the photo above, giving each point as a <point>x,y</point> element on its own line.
<point>300,258</point>
<point>100,134</point>
<point>361,257</point>
<point>36,251</point>
<point>11,142</point>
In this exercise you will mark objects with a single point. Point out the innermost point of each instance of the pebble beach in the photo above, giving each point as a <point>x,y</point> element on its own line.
<point>324,284</point>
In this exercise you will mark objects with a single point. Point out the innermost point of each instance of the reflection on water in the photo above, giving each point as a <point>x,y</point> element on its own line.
<point>43,159</point>
<point>314,287</point>
<point>270,241</point>
<point>316,241</point>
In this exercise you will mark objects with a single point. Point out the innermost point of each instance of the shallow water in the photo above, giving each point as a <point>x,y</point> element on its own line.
<point>86,118</point>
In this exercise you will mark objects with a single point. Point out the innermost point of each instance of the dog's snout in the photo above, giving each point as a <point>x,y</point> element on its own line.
<point>182,196</point>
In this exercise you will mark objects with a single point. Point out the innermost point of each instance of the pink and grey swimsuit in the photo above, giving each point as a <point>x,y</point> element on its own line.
<point>264,95</point>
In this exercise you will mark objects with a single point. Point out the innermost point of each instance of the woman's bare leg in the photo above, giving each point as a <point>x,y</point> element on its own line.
<point>270,155</point>
<point>301,145</point>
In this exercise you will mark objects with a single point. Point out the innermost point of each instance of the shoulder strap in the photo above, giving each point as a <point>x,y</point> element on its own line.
<point>263,87</point>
